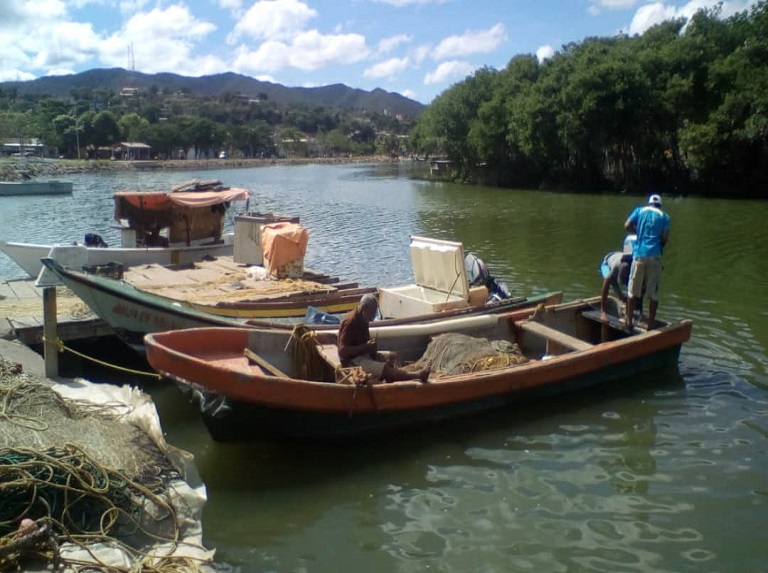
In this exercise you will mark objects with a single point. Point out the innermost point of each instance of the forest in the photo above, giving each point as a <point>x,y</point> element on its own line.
<point>174,122</point>
<point>682,108</point>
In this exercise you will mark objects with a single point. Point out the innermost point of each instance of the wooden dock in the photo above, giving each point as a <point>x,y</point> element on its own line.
<point>21,314</point>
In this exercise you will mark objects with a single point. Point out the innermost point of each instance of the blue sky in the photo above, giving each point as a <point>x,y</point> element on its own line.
<point>418,48</point>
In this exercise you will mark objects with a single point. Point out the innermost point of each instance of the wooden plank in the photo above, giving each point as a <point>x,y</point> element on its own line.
<point>158,275</point>
<point>330,353</point>
<point>553,334</point>
<point>270,368</point>
<point>6,291</point>
<point>25,289</point>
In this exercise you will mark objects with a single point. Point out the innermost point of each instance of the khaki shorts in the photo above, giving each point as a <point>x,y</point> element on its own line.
<point>646,270</point>
<point>375,366</point>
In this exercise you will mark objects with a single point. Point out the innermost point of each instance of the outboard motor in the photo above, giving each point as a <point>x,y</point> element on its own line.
<point>478,275</point>
<point>94,240</point>
<point>477,272</point>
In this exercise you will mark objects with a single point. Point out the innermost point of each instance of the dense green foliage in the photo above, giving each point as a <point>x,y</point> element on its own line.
<point>91,120</point>
<point>684,107</point>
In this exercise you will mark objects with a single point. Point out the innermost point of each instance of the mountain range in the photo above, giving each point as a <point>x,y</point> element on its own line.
<point>331,96</point>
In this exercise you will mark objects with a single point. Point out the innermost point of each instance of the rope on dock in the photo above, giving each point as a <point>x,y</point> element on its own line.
<point>62,494</point>
<point>61,347</point>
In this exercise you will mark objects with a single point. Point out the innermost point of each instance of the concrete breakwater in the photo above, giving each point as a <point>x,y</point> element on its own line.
<point>34,168</point>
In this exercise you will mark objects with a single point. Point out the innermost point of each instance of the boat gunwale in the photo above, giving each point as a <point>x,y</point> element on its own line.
<point>321,396</point>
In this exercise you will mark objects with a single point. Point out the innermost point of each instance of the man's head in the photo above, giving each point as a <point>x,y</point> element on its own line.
<point>368,306</point>
<point>654,200</point>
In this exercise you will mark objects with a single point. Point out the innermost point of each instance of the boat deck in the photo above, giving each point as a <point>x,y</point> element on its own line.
<point>221,280</point>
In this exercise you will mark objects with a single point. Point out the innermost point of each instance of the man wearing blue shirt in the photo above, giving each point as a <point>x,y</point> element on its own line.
<point>651,225</point>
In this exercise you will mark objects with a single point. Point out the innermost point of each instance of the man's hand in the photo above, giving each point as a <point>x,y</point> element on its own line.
<point>370,348</point>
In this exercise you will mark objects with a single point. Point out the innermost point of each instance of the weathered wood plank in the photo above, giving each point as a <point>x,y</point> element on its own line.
<point>549,333</point>
<point>269,367</point>
<point>25,289</point>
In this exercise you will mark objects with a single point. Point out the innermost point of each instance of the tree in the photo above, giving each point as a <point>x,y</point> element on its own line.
<point>105,130</point>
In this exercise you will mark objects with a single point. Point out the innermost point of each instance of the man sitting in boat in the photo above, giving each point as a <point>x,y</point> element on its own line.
<point>357,348</point>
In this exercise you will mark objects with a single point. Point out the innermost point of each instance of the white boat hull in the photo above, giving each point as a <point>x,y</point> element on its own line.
<point>28,255</point>
<point>35,188</point>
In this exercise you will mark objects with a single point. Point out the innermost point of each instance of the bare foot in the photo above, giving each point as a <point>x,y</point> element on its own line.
<point>424,373</point>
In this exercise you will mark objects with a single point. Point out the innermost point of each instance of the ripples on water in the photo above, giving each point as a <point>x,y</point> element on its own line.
<point>664,472</point>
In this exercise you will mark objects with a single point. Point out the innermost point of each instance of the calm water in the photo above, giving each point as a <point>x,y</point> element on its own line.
<point>666,473</point>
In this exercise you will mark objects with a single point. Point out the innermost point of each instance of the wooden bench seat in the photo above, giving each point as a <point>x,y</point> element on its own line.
<point>553,335</point>
<point>331,354</point>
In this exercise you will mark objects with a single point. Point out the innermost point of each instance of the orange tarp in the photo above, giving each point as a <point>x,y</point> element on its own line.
<point>158,200</point>
<point>283,243</point>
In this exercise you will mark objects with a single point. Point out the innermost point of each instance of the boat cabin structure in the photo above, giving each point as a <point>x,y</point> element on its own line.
<point>191,214</point>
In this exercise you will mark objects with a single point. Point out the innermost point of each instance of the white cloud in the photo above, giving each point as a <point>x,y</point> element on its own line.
<point>544,53</point>
<point>409,94</point>
<point>162,40</point>
<point>449,70</point>
<point>231,5</point>
<point>655,13</point>
<point>39,39</point>
<point>471,42</point>
<point>14,75</point>
<point>649,15</point>
<point>598,6</point>
<point>386,45</point>
<point>307,51</point>
<point>387,69</point>
<point>420,53</point>
<point>399,3</point>
<point>273,20</point>
<point>312,50</point>
<point>268,57</point>
<point>127,7</point>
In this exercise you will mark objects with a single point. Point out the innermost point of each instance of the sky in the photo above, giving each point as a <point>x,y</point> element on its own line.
<point>418,48</point>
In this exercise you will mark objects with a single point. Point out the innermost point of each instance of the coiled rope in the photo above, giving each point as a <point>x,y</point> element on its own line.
<point>75,499</point>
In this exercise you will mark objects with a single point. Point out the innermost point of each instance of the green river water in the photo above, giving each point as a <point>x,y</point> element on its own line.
<point>664,472</point>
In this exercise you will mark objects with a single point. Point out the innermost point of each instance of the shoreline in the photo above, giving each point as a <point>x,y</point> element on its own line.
<point>16,169</point>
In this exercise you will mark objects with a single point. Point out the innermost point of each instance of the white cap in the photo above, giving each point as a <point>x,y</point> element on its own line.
<point>654,200</point>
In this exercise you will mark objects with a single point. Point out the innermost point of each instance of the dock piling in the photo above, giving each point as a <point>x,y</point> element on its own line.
<point>50,347</point>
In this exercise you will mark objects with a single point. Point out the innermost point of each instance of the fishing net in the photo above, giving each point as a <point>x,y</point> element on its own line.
<point>96,492</point>
<point>31,413</point>
<point>454,353</point>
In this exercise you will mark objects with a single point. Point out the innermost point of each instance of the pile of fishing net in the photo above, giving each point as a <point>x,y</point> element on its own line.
<point>454,353</point>
<point>83,488</point>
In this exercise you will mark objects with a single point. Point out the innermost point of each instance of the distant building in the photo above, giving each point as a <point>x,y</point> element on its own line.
<point>130,92</point>
<point>28,147</point>
<point>131,151</point>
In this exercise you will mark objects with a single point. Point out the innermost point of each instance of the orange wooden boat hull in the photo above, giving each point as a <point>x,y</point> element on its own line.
<point>210,361</point>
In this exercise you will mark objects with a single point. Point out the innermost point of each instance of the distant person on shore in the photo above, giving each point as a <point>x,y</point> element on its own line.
<point>357,348</point>
<point>651,225</point>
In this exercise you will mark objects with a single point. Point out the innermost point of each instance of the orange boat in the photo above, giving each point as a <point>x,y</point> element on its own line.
<point>252,382</point>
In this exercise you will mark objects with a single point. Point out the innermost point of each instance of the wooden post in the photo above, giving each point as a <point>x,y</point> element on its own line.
<point>50,349</point>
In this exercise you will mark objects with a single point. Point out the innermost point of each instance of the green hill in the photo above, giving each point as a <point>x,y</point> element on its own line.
<point>334,96</point>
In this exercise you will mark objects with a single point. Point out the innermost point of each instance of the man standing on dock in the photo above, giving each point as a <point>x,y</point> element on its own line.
<point>652,227</point>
